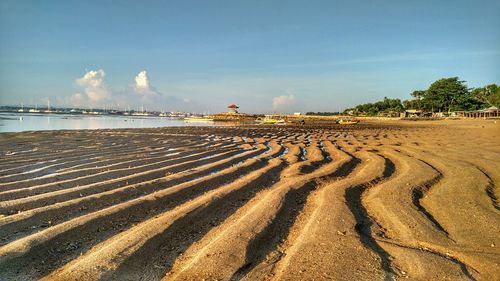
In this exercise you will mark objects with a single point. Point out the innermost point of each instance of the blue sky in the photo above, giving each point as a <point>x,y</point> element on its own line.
<point>262,55</point>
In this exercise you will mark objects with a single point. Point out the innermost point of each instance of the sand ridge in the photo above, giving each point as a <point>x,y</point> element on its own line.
<point>374,201</point>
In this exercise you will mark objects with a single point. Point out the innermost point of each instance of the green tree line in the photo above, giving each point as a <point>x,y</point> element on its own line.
<point>447,94</point>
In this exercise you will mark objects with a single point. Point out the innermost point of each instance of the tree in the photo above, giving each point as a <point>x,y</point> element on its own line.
<point>495,98</point>
<point>489,95</point>
<point>411,104</point>
<point>386,105</point>
<point>417,95</point>
<point>448,94</point>
<point>467,102</point>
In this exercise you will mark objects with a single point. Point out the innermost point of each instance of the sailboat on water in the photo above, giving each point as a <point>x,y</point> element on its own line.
<point>197,118</point>
<point>48,107</point>
<point>142,113</point>
<point>34,110</point>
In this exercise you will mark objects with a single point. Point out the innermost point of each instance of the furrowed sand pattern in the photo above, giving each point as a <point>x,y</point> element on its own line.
<point>373,201</point>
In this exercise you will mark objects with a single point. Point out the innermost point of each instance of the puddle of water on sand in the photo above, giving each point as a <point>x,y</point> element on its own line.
<point>172,154</point>
<point>285,152</point>
<point>303,154</point>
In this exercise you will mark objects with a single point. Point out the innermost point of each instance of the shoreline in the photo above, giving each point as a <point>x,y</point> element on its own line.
<point>324,121</point>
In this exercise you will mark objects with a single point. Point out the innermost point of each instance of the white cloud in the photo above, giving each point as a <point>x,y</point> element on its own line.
<point>284,102</point>
<point>149,96</point>
<point>95,93</point>
<point>142,83</point>
<point>144,89</point>
<point>94,86</point>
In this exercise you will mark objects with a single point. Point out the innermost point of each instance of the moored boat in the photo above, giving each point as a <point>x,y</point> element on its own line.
<point>198,119</point>
<point>268,120</point>
<point>348,122</point>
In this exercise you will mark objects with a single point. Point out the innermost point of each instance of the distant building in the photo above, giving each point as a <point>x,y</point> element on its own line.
<point>233,108</point>
<point>297,113</point>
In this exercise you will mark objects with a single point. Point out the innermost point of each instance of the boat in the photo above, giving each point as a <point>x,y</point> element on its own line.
<point>348,122</point>
<point>91,112</point>
<point>141,113</point>
<point>48,108</point>
<point>269,120</point>
<point>198,119</point>
<point>34,110</point>
<point>279,122</point>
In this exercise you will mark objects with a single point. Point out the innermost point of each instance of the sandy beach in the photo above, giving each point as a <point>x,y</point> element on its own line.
<point>380,200</point>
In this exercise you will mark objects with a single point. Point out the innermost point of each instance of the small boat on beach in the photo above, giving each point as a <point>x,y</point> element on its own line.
<point>268,120</point>
<point>348,122</point>
<point>198,119</point>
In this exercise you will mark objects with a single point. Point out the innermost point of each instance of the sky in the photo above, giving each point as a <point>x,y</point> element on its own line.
<point>263,55</point>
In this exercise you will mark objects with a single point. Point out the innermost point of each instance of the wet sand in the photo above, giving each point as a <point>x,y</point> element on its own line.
<point>381,200</point>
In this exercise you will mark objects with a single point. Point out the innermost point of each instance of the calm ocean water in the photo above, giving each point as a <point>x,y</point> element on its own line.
<point>19,122</point>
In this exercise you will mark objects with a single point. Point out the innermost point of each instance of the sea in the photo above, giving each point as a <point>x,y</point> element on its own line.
<point>21,122</point>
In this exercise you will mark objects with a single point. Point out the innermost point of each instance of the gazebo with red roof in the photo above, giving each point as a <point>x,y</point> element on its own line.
<point>233,108</point>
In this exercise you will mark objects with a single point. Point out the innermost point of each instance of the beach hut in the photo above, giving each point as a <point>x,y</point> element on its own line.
<point>233,108</point>
<point>492,109</point>
<point>412,113</point>
<point>489,112</point>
